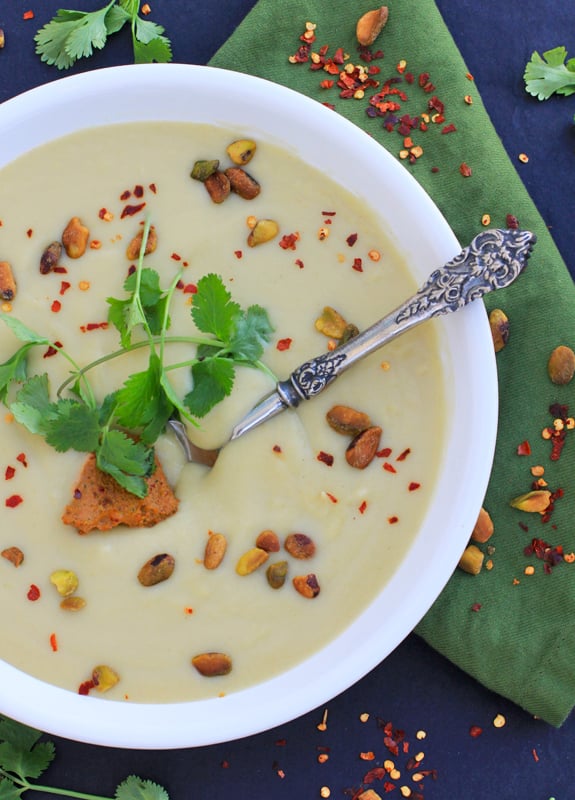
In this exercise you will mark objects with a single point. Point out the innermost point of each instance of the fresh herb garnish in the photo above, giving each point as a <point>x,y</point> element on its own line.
<point>23,757</point>
<point>71,35</point>
<point>122,430</point>
<point>550,74</point>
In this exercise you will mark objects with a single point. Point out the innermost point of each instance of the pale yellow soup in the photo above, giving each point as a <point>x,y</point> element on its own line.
<point>362,521</point>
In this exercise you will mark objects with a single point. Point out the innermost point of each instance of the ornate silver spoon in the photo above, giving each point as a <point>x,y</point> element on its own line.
<point>492,261</point>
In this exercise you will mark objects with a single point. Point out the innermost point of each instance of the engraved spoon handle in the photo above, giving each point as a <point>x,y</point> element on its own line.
<point>492,261</point>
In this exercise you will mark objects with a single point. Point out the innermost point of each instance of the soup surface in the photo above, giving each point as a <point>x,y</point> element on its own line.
<point>289,475</point>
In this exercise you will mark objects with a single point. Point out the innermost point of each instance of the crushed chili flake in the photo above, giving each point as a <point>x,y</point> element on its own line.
<point>13,501</point>
<point>131,210</point>
<point>389,467</point>
<point>288,241</point>
<point>9,473</point>
<point>351,239</point>
<point>138,191</point>
<point>276,448</point>
<point>524,449</point>
<point>357,265</point>
<point>385,452</point>
<point>54,642</point>
<point>325,458</point>
<point>403,455</point>
<point>29,233</point>
<point>363,507</point>
<point>475,731</point>
<point>190,288</point>
<point>511,221</point>
<point>86,687</point>
<point>393,520</point>
<point>33,593</point>
<point>56,306</point>
<point>413,486</point>
<point>153,188</point>
<point>125,195</point>
<point>299,263</point>
<point>52,350</point>
<point>284,344</point>
<point>449,128</point>
<point>60,270</point>
<point>238,253</point>
<point>105,215</point>
<point>64,286</point>
<point>28,14</point>
<point>21,457</point>
<point>476,607</point>
<point>94,326</point>
<point>465,170</point>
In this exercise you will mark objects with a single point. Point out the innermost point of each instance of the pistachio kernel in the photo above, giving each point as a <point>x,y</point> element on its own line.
<point>157,569</point>
<point>50,257</point>
<point>347,420</point>
<point>307,585</point>
<point>471,560</point>
<point>331,323</point>
<point>536,501</point>
<point>13,554</point>
<point>561,365</point>
<point>215,550</point>
<point>65,581</point>
<point>276,574</point>
<point>133,249</point>
<point>203,169</point>
<point>7,282</point>
<point>104,677</point>
<point>218,186</point>
<point>75,238</point>
<point>269,541</point>
<point>263,231</point>
<point>73,603</point>
<point>499,324</point>
<point>251,560</point>
<point>299,545</point>
<point>212,664</point>
<point>241,151</point>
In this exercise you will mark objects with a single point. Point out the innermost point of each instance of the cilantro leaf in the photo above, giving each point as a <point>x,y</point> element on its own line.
<point>213,380</point>
<point>72,426</point>
<point>71,35</point>
<point>134,788</point>
<point>253,331</point>
<point>213,309</point>
<point>22,331</point>
<point>15,369</point>
<point>8,791</point>
<point>126,460</point>
<point>142,401</point>
<point>550,74</point>
<point>32,405</point>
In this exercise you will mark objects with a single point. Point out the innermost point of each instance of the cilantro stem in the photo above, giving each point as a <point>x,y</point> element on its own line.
<point>78,375</point>
<point>38,787</point>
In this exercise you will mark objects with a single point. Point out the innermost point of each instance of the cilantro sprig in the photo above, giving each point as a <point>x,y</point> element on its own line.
<point>71,35</point>
<point>123,428</point>
<point>550,74</point>
<point>24,758</point>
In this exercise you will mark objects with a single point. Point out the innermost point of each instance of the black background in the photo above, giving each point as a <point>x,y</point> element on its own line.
<point>415,688</point>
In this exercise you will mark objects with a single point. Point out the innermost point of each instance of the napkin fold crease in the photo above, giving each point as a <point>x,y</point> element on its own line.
<point>511,631</point>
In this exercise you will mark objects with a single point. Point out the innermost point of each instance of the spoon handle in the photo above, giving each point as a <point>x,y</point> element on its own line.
<point>491,261</point>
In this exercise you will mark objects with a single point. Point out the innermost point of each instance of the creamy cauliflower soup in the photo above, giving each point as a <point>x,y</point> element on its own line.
<point>144,611</point>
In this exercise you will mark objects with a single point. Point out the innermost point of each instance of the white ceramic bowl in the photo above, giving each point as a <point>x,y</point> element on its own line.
<point>191,93</point>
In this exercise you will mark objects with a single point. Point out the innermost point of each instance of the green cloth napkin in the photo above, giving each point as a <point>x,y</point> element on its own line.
<point>513,632</point>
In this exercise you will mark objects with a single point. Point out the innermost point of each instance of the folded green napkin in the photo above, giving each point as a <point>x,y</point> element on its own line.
<point>512,631</point>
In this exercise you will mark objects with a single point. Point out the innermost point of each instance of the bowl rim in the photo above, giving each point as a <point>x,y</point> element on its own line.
<point>322,676</point>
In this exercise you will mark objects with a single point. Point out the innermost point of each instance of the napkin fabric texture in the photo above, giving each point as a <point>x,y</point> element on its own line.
<point>513,632</point>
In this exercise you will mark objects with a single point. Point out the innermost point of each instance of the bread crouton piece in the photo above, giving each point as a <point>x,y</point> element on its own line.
<point>100,503</point>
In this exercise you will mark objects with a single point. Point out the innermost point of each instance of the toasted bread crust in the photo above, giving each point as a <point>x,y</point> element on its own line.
<point>100,503</point>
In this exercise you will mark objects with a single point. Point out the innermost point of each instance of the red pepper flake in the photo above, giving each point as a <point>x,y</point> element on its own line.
<point>190,288</point>
<point>357,265</point>
<point>28,14</point>
<point>9,473</point>
<point>449,128</point>
<point>131,210</point>
<point>60,270</point>
<point>351,239</point>
<point>363,507</point>
<point>54,642</point>
<point>328,213</point>
<point>13,501</point>
<point>402,456</point>
<point>326,84</point>
<point>476,607</point>
<point>524,449</point>
<point>176,257</point>
<point>153,188</point>
<point>21,457</point>
<point>393,520</point>
<point>389,467</point>
<point>475,731</point>
<point>465,170</point>
<point>299,263</point>
<point>413,486</point>
<point>388,786</point>
<point>94,326</point>
<point>106,215</point>
<point>284,344</point>
<point>52,350</point>
<point>29,233</point>
<point>138,191</point>
<point>238,253</point>
<point>535,756</point>
<point>288,241</point>
<point>125,195</point>
<point>325,458</point>
<point>511,221</point>
<point>385,452</point>
<point>86,687</point>
<point>64,286</point>
<point>276,448</point>
<point>56,306</point>
<point>469,76</point>
<point>33,593</point>
<point>332,497</point>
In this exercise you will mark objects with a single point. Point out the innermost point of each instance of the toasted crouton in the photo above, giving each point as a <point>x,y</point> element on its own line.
<point>100,503</point>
